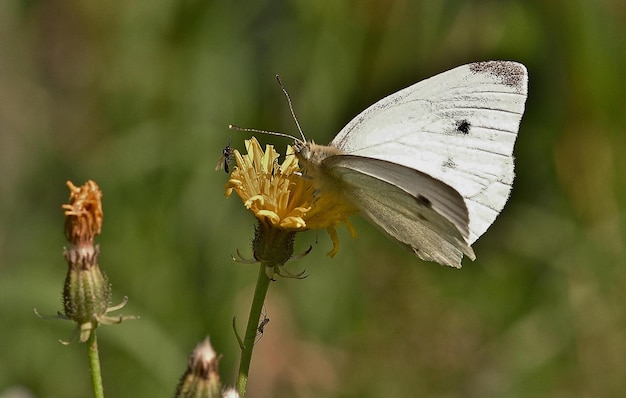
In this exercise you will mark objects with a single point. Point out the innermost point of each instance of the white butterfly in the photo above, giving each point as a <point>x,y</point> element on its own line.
<point>430,165</point>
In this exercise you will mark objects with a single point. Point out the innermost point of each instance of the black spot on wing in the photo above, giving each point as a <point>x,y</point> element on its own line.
<point>463,126</point>
<point>448,164</point>
<point>424,201</point>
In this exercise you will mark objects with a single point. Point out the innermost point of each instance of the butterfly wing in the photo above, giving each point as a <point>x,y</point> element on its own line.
<point>426,215</point>
<point>458,127</point>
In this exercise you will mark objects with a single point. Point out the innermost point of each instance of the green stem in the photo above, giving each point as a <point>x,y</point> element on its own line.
<point>262,284</point>
<point>94,366</point>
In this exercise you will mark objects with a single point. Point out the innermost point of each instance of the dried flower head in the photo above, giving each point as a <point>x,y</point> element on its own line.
<point>86,291</point>
<point>83,212</point>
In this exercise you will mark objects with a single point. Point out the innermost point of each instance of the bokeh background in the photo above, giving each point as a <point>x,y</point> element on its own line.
<point>137,95</point>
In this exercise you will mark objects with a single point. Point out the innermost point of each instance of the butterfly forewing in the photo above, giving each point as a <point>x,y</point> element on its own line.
<point>458,127</point>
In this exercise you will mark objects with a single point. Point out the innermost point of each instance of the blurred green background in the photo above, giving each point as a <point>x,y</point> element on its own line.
<point>137,95</point>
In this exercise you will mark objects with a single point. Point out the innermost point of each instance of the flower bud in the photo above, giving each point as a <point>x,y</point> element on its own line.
<point>201,380</point>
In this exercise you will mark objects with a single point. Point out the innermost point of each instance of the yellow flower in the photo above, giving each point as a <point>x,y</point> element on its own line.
<point>282,197</point>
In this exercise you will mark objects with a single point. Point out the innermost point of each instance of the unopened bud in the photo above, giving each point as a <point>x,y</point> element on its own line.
<point>201,380</point>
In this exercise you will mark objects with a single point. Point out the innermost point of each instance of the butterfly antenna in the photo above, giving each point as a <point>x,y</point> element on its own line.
<point>249,130</point>
<point>293,114</point>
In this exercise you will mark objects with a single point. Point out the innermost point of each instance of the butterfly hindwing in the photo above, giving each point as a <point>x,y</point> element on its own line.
<point>424,214</point>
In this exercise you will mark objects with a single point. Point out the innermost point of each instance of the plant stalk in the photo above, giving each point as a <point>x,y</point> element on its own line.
<point>94,366</point>
<point>260,292</point>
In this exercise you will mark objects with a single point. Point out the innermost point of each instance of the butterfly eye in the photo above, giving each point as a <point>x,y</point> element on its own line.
<point>302,149</point>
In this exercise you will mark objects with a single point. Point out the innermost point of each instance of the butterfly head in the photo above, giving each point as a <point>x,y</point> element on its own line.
<point>311,155</point>
<point>302,150</point>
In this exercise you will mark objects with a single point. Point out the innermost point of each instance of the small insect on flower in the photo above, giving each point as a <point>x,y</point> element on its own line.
<point>224,162</point>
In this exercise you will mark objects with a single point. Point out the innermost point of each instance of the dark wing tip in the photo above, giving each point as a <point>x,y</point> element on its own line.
<point>512,74</point>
